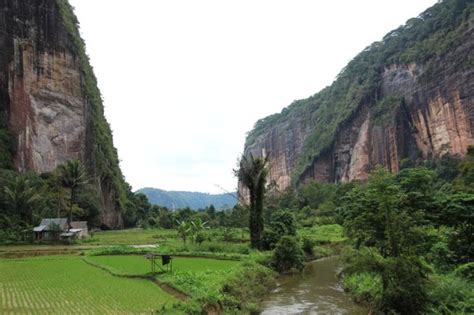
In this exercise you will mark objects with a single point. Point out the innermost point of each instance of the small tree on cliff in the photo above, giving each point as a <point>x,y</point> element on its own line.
<point>72,175</point>
<point>252,173</point>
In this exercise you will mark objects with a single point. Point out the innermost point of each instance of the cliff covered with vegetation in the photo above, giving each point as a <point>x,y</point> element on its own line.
<point>405,98</point>
<point>51,109</point>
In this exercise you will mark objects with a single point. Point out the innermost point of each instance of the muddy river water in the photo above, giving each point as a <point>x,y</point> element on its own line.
<point>316,291</point>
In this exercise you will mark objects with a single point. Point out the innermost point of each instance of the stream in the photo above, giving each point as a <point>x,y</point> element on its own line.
<point>315,291</point>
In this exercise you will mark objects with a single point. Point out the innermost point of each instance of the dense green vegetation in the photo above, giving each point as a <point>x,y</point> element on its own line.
<point>67,192</point>
<point>184,199</point>
<point>408,237</point>
<point>423,39</point>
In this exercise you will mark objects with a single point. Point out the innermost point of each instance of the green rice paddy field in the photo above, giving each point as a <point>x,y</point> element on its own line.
<point>69,285</point>
<point>193,276</point>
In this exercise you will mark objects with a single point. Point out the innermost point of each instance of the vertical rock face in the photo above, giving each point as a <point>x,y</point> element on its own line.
<point>413,110</point>
<point>42,89</point>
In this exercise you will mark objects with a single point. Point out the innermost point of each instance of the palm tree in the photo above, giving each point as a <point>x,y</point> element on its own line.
<point>72,175</point>
<point>252,173</point>
<point>183,230</point>
<point>197,226</point>
<point>21,196</point>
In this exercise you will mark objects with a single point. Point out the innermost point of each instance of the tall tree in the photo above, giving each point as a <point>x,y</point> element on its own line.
<point>72,175</point>
<point>252,173</point>
<point>21,197</point>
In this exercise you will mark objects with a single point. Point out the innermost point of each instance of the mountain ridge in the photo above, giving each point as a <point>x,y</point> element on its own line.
<point>181,199</point>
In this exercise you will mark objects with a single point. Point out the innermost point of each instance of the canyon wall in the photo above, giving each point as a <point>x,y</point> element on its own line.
<point>409,107</point>
<point>47,96</point>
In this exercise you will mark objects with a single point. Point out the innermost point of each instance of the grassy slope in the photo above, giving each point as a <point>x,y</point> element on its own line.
<point>67,284</point>
<point>330,233</point>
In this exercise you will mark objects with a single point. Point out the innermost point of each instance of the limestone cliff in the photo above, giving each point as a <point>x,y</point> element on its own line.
<point>409,96</point>
<point>49,99</point>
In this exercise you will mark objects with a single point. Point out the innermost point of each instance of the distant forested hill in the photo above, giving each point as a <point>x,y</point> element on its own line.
<point>183,199</point>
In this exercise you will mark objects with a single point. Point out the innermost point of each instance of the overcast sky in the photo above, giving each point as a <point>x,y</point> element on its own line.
<point>183,81</point>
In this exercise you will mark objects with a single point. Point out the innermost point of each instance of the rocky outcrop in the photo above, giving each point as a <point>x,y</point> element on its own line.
<point>42,84</point>
<point>415,110</point>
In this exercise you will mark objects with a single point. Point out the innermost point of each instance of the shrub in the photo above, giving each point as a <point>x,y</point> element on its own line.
<point>441,256</point>
<point>269,239</point>
<point>246,287</point>
<point>405,286</point>
<point>200,237</point>
<point>283,223</point>
<point>288,254</point>
<point>451,295</point>
<point>364,287</point>
<point>465,271</point>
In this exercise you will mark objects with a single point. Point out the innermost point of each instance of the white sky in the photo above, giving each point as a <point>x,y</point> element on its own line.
<point>183,81</point>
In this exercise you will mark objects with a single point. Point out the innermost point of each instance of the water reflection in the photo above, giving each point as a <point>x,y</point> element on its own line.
<point>316,291</point>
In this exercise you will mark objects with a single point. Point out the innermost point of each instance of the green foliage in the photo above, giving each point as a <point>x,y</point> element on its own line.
<point>21,196</point>
<point>288,254</point>
<point>451,295</point>
<point>403,280</point>
<point>465,271</point>
<point>458,212</point>
<point>404,286</point>
<point>247,287</point>
<point>184,229</point>
<point>282,223</point>
<point>365,287</point>
<point>379,214</point>
<point>72,176</point>
<point>199,238</point>
<point>322,234</point>
<point>383,111</point>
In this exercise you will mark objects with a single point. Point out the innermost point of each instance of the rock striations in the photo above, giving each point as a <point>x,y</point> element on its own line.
<point>49,101</point>
<point>409,96</point>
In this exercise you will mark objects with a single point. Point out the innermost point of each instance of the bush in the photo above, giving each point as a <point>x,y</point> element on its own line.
<point>465,271</point>
<point>451,295</point>
<point>405,286</point>
<point>441,256</point>
<point>283,223</point>
<point>364,287</point>
<point>200,237</point>
<point>245,288</point>
<point>288,254</point>
<point>269,239</point>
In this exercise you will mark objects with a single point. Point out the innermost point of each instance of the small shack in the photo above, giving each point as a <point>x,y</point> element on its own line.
<point>50,229</point>
<point>54,229</point>
<point>81,227</point>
